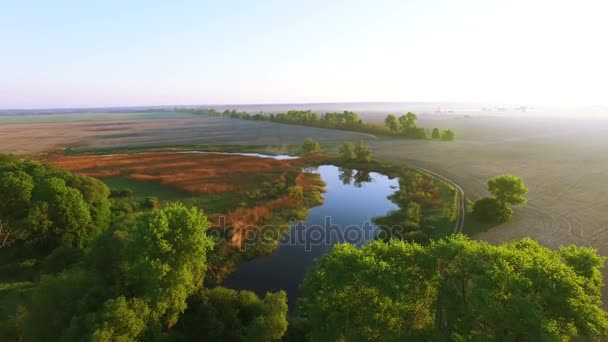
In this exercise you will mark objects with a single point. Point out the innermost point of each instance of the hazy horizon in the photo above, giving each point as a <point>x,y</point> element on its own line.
<point>68,54</point>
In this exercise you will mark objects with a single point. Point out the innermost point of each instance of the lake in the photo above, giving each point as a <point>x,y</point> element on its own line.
<point>351,201</point>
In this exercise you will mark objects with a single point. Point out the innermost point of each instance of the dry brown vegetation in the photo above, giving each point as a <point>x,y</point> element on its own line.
<point>196,173</point>
<point>201,173</point>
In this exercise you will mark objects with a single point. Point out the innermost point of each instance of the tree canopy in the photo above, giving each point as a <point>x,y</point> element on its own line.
<point>454,289</point>
<point>392,123</point>
<point>48,207</point>
<point>508,189</point>
<point>311,146</point>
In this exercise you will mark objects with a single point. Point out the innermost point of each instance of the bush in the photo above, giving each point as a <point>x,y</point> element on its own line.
<point>489,209</point>
<point>296,192</point>
<point>311,146</point>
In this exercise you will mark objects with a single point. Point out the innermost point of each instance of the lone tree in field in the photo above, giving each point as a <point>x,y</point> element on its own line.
<point>506,190</point>
<point>435,134</point>
<point>311,146</point>
<point>392,123</point>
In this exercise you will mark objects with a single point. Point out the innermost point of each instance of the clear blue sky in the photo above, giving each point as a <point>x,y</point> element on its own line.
<point>113,53</point>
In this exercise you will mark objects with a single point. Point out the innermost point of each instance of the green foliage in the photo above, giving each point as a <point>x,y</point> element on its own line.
<point>413,215</point>
<point>392,123</point>
<point>369,294</point>
<point>489,209</point>
<point>508,189</point>
<point>296,192</point>
<point>222,314</point>
<point>447,135</point>
<point>454,289</point>
<point>120,319</point>
<point>362,151</point>
<point>59,216</point>
<point>347,151</point>
<point>404,126</point>
<point>408,121</point>
<point>16,192</point>
<point>311,146</point>
<point>435,135</point>
<point>49,207</point>
<point>168,258</point>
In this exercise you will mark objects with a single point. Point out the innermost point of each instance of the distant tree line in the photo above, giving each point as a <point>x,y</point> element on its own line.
<point>403,127</point>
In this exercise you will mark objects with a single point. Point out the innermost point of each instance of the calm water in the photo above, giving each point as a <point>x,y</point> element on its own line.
<point>348,208</point>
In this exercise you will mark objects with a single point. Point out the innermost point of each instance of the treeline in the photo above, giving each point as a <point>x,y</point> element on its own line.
<point>403,127</point>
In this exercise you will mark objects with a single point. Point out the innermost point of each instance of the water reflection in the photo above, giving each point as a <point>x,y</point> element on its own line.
<point>352,199</point>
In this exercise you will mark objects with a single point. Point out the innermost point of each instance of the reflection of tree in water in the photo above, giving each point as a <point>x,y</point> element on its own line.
<point>346,175</point>
<point>356,178</point>
<point>362,177</point>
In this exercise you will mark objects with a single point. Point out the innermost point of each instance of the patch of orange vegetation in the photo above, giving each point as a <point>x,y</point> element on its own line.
<point>197,173</point>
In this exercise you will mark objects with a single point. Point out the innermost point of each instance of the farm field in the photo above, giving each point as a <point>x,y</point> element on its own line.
<point>90,134</point>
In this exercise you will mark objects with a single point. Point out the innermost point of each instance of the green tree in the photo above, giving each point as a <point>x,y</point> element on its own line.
<point>435,134</point>
<point>408,121</point>
<point>447,135</point>
<point>58,216</point>
<point>508,189</point>
<point>454,289</point>
<point>413,215</point>
<point>167,258</point>
<point>392,123</point>
<point>362,151</point>
<point>222,314</point>
<point>311,146</point>
<point>488,209</point>
<point>347,151</point>
<point>15,194</point>
<point>120,319</point>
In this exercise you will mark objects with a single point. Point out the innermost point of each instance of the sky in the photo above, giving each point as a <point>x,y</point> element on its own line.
<point>58,53</point>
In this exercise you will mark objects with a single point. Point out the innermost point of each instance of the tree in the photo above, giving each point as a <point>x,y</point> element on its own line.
<point>167,259</point>
<point>311,146</point>
<point>362,151</point>
<point>347,151</point>
<point>447,135</point>
<point>120,319</point>
<point>58,216</point>
<point>408,121</point>
<point>15,193</point>
<point>508,189</point>
<point>370,294</point>
<point>489,209</point>
<point>435,134</point>
<point>222,314</point>
<point>413,215</point>
<point>454,289</point>
<point>392,123</point>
